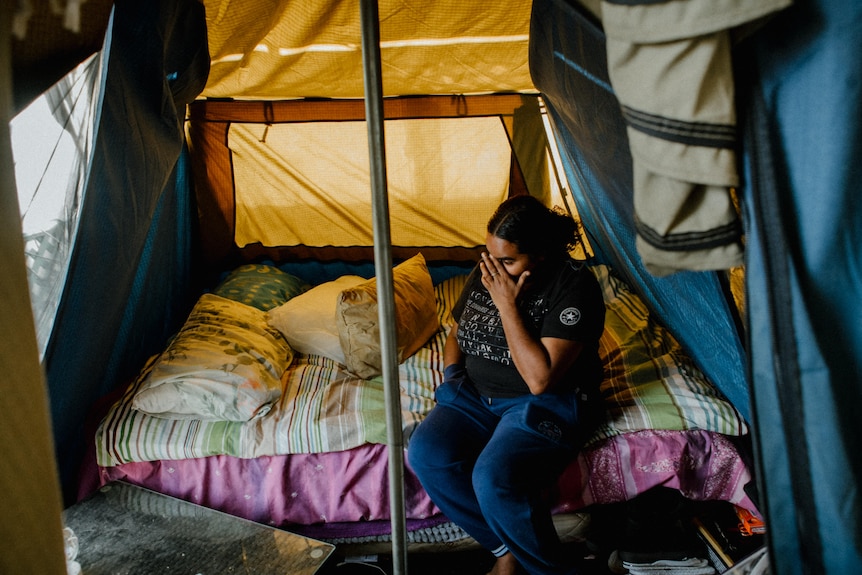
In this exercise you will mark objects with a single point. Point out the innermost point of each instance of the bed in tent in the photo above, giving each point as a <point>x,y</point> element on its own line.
<point>186,96</point>
<point>308,452</point>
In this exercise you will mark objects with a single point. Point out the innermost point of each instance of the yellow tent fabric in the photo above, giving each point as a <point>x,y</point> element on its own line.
<point>264,49</point>
<point>290,178</point>
<point>308,183</point>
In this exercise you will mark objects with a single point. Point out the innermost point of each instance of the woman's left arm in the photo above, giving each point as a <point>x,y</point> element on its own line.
<point>541,362</point>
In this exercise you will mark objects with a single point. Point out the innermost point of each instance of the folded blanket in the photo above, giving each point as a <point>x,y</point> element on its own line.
<point>691,566</point>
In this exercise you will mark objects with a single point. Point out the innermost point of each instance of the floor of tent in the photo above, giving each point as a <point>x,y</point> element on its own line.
<point>472,562</point>
<point>659,526</point>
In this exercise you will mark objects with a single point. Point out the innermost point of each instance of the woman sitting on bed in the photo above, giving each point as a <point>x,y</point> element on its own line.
<point>512,411</point>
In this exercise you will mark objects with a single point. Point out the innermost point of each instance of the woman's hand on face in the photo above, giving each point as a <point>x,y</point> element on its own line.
<point>498,282</point>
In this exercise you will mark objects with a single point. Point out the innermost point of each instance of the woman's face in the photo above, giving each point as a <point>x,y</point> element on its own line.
<point>506,253</point>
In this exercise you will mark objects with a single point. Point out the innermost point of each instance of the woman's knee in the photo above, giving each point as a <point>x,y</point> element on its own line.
<point>431,449</point>
<point>494,480</point>
<point>421,450</point>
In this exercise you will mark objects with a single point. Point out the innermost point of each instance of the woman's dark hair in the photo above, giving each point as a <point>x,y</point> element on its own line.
<point>535,229</point>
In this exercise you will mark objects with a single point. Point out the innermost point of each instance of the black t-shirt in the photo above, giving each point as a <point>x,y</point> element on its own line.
<point>566,303</point>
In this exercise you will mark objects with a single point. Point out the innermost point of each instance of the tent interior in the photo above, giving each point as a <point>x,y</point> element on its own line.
<point>186,138</point>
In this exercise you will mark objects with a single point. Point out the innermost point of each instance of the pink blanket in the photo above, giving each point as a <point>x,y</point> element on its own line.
<point>345,493</point>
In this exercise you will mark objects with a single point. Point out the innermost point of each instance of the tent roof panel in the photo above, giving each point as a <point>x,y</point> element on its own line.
<point>314,48</point>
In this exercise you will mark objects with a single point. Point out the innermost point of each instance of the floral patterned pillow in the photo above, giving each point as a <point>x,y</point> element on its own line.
<point>224,364</point>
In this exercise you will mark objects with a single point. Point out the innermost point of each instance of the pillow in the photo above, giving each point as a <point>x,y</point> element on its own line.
<point>307,321</point>
<point>260,285</point>
<point>224,364</point>
<point>415,317</point>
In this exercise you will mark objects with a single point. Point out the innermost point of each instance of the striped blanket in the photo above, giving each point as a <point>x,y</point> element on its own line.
<point>650,384</point>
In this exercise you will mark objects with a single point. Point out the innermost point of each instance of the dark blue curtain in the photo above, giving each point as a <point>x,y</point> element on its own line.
<point>801,90</point>
<point>130,262</point>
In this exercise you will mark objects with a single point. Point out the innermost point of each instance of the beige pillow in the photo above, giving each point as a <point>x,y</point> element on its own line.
<point>415,314</point>
<point>307,321</point>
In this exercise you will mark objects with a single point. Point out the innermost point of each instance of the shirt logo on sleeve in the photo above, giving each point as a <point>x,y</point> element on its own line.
<point>570,316</point>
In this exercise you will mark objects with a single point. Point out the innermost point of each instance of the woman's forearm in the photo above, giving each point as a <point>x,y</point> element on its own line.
<point>541,362</point>
<point>452,353</point>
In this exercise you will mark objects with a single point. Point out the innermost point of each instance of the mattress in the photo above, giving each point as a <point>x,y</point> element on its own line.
<point>315,460</point>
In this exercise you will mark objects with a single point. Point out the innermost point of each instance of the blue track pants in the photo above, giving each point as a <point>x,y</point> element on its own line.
<point>486,463</point>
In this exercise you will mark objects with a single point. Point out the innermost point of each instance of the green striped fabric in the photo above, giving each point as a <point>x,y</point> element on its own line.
<point>650,383</point>
<point>323,408</point>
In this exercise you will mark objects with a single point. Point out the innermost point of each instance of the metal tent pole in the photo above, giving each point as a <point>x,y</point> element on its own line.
<point>383,270</point>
